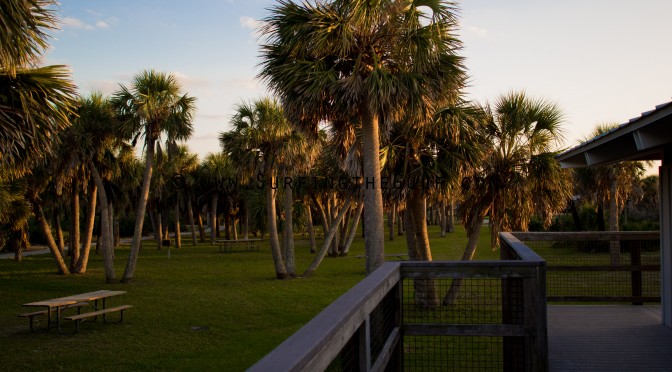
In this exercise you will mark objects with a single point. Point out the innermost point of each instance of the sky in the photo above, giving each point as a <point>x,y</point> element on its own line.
<point>600,61</point>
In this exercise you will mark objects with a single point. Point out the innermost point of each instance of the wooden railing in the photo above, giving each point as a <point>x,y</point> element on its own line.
<point>599,266</point>
<point>430,315</point>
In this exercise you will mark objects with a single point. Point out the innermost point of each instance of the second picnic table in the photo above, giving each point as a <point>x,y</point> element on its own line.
<point>226,245</point>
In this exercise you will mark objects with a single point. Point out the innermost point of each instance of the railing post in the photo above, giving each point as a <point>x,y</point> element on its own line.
<point>536,343</point>
<point>512,313</point>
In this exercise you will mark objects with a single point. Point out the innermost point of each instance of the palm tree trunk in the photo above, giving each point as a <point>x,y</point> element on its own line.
<point>400,224</point>
<point>614,246</point>
<point>140,214</point>
<point>59,230</point>
<point>214,223</point>
<point>88,230</point>
<point>426,295</point>
<point>178,237</point>
<point>106,249</point>
<point>280,269</point>
<point>473,233</point>
<point>159,229</point>
<point>353,230</point>
<point>311,229</point>
<point>327,240</point>
<point>190,215</point>
<point>373,197</point>
<point>451,215</point>
<point>46,230</point>
<point>246,220</point>
<point>201,229</point>
<point>288,232</point>
<point>74,222</point>
<point>443,219</point>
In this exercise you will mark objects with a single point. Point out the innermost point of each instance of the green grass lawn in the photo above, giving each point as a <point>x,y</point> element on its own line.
<point>199,310</point>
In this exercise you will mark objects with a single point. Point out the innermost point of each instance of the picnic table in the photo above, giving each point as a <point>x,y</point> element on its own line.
<point>226,245</point>
<point>54,308</point>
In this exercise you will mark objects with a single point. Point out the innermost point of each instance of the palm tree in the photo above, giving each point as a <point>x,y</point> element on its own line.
<point>93,138</point>
<point>609,185</point>
<point>217,172</point>
<point>152,106</point>
<point>361,63</point>
<point>518,176</point>
<point>262,141</point>
<point>36,101</point>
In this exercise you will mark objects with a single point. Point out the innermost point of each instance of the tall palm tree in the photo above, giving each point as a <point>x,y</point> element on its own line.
<point>361,63</point>
<point>262,141</point>
<point>35,101</point>
<point>153,106</point>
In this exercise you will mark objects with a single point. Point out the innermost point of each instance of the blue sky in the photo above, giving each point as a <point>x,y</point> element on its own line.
<point>600,61</point>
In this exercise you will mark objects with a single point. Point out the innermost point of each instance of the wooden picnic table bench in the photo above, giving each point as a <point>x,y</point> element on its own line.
<point>226,245</point>
<point>57,306</point>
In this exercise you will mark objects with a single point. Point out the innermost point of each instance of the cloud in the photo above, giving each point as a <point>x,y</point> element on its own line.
<point>252,24</point>
<point>78,24</point>
<point>70,22</point>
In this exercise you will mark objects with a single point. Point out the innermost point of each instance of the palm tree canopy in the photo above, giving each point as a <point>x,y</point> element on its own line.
<point>155,104</point>
<point>34,108</point>
<point>25,24</point>
<point>262,138</point>
<point>34,102</point>
<point>340,59</point>
<point>519,175</point>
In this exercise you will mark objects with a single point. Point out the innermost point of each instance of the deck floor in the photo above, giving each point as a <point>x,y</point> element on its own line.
<point>608,338</point>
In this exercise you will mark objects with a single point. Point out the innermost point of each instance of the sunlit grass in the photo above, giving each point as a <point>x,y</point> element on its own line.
<point>199,310</point>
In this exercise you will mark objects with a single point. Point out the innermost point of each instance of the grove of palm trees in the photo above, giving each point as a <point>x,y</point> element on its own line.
<point>367,125</point>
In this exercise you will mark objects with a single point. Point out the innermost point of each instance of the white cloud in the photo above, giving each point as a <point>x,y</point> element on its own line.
<point>252,24</point>
<point>78,24</point>
<point>75,23</point>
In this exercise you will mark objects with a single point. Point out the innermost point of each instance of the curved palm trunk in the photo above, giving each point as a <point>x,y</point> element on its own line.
<point>51,243</point>
<point>201,229</point>
<point>288,232</point>
<point>473,233</point>
<point>373,196</point>
<point>333,229</point>
<point>280,270</point>
<point>140,216</point>
<point>59,230</point>
<point>105,238</point>
<point>88,230</point>
<point>353,230</point>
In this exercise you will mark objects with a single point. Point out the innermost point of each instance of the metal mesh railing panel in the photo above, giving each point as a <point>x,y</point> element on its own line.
<point>453,353</point>
<point>453,301</point>
<point>348,359</point>
<point>599,269</point>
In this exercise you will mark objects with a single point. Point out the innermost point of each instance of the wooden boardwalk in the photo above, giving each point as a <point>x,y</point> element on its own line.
<point>608,338</point>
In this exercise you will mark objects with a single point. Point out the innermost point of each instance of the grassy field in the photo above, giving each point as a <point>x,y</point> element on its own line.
<point>198,310</point>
